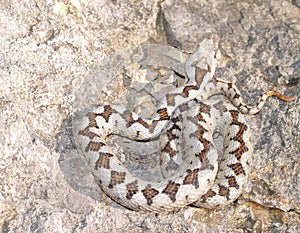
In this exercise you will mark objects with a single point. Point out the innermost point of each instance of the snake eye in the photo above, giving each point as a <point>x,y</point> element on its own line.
<point>218,139</point>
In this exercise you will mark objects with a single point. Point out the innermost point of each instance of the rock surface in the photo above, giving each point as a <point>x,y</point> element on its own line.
<point>51,50</point>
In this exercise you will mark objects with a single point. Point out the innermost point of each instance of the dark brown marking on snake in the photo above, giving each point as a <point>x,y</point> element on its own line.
<point>185,92</point>
<point>199,135</point>
<point>94,146</point>
<point>131,188</point>
<point>239,151</point>
<point>187,89</point>
<point>149,193</point>
<point>235,121</point>
<point>206,145</point>
<point>192,177</point>
<point>175,127</point>
<point>143,123</point>
<point>163,114</point>
<point>204,161</point>
<point>168,149</point>
<point>236,96</point>
<point>127,116</point>
<point>224,191</point>
<point>235,117</point>
<point>239,136</point>
<point>170,134</point>
<point>232,182</point>
<point>210,193</point>
<point>116,178</point>
<point>103,160</point>
<point>87,133</point>
<point>204,108</point>
<point>176,119</point>
<point>199,75</point>
<point>92,119</point>
<point>171,99</point>
<point>171,190</point>
<point>108,110</point>
<point>237,168</point>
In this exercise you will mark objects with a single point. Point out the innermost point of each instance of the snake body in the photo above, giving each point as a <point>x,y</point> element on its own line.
<point>205,143</point>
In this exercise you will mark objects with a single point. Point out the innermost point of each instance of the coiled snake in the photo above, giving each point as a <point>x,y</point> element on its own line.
<point>205,143</point>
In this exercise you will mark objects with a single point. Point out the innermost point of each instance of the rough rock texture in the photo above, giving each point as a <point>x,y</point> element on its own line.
<point>51,49</point>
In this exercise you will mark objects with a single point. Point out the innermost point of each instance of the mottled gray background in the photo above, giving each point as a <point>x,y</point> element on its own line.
<point>53,50</point>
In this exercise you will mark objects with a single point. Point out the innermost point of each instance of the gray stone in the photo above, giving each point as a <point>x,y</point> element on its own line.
<point>52,50</point>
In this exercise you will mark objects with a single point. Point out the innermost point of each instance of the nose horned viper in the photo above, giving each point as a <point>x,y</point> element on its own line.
<point>189,122</point>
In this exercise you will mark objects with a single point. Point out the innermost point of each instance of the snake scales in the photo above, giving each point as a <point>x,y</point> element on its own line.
<point>205,142</point>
